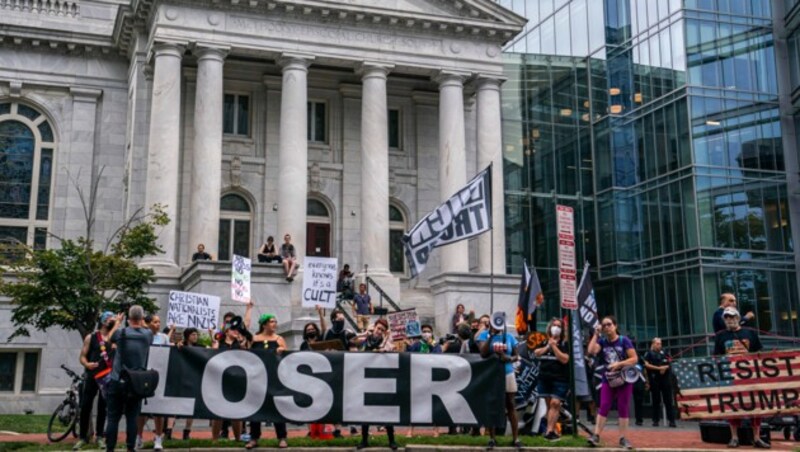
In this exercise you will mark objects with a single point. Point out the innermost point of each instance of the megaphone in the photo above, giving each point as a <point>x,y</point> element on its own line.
<point>498,320</point>
<point>632,374</point>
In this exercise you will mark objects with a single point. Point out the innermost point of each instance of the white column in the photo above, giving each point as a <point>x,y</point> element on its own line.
<point>490,144</point>
<point>293,149</point>
<point>374,168</point>
<point>163,149</point>
<point>207,157</point>
<point>452,159</point>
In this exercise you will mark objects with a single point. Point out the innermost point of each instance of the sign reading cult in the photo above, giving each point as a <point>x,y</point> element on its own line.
<point>735,386</point>
<point>319,282</point>
<point>193,310</point>
<point>566,257</point>
<point>331,388</point>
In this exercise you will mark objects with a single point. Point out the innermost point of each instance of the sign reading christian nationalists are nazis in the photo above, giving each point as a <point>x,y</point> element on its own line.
<point>466,214</point>
<point>329,388</point>
<point>736,386</point>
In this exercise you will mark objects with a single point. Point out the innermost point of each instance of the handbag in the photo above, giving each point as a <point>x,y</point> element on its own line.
<point>140,383</point>
<point>615,378</point>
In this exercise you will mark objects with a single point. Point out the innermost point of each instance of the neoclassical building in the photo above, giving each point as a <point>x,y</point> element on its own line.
<point>341,123</point>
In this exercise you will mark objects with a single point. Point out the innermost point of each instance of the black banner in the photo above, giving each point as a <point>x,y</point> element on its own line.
<point>330,387</point>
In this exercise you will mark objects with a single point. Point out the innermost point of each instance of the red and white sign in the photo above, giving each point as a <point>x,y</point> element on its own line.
<point>566,256</point>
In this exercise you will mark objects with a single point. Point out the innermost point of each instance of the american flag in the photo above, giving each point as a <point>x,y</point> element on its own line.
<point>738,386</point>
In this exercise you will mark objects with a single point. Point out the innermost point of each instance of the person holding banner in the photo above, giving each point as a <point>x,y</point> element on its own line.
<point>231,340</point>
<point>313,333</point>
<point>553,354</point>
<point>288,257</point>
<point>496,340</point>
<point>615,353</point>
<point>268,338</point>
<point>735,340</point>
<point>378,342</point>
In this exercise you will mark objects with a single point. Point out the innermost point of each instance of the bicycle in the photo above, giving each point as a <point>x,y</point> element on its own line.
<point>65,418</point>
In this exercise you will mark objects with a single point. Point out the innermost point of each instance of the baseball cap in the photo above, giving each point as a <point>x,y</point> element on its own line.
<point>730,312</point>
<point>105,316</point>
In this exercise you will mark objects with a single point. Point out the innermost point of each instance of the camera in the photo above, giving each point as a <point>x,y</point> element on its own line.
<point>448,338</point>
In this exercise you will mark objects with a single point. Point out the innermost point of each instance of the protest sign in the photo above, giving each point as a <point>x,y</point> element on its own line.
<point>738,386</point>
<point>330,388</point>
<point>319,282</point>
<point>240,279</point>
<point>397,323</point>
<point>193,310</point>
<point>413,329</point>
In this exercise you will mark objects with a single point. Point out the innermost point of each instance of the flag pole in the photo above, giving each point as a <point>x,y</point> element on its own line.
<point>491,240</point>
<point>573,399</point>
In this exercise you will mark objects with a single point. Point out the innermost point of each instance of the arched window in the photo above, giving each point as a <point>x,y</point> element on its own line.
<point>397,227</point>
<point>27,144</point>
<point>234,227</point>
<point>318,229</point>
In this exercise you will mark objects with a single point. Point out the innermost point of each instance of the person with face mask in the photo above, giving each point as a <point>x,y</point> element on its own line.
<point>379,341</point>
<point>496,340</point>
<point>338,332</point>
<point>735,340</point>
<point>553,354</point>
<point>96,357</point>
<point>424,344</point>
<point>658,374</point>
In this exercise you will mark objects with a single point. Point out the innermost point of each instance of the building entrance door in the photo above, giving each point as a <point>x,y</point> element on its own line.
<point>318,239</point>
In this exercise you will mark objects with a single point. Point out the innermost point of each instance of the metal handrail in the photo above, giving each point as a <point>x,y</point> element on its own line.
<point>383,294</point>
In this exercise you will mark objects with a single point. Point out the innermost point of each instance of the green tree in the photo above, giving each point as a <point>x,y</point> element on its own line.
<point>69,286</point>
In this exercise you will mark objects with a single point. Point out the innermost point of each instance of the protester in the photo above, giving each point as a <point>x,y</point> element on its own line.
<point>268,338</point>
<point>267,252</point>
<point>132,346</point>
<point>362,308</point>
<point>288,257</point>
<point>727,300</point>
<point>616,353</point>
<point>553,354</point>
<point>96,357</point>
<point>423,344</point>
<point>191,338</point>
<point>504,345</point>
<point>735,340</point>
<point>344,284</point>
<point>378,342</point>
<point>337,331</point>
<point>153,322</point>
<point>231,340</point>
<point>201,254</point>
<point>460,316</point>
<point>659,375</point>
<point>313,333</point>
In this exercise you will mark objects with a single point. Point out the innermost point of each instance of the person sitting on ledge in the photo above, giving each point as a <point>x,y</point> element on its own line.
<point>289,256</point>
<point>267,252</point>
<point>201,254</point>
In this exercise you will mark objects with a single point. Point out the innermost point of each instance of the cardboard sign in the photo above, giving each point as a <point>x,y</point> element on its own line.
<point>240,279</point>
<point>319,282</point>
<point>738,386</point>
<point>397,323</point>
<point>193,310</point>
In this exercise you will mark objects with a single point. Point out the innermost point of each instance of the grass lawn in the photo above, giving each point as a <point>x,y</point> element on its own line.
<point>24,423</point>
<point>444,440</point>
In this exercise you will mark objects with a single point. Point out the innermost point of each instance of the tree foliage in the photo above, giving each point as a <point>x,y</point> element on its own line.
<point>70,286</point>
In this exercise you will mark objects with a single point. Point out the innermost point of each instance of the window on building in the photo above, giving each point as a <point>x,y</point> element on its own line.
<point>27,145</point>
<point>318,229</point>
<point>236,115</point>
<point>395,130</point>
<point>317,122</point>
<point>234,227</point>
<point>397,227</point>
<point>18,371</point>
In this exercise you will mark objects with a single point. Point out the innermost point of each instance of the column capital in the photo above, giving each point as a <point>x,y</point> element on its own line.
<point>489,82</point>
<point>450,78</point>
<point>370,69</point>
<point>295,61</point>
<point>167,48</point>
<point>203,51</point>
<point>85,94</point>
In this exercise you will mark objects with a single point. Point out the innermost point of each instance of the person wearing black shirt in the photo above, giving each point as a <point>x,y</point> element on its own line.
<point>658,374</point>
<point>337,331</point>
<point>737,341</point>
<point>201,254</point>
<point>267,252</point>
<point>553,373</point>
<point>313,333</point>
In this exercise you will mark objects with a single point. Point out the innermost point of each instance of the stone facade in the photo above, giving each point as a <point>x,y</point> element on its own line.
<point>135,94</point>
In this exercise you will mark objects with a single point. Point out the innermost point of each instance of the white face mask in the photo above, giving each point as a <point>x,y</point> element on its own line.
<point>426,336</point>
<point>555,331</point>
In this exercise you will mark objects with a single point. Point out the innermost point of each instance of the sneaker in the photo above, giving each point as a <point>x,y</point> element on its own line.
<point>187,434</point>
<point>625,444</point>
<point>139,443</point>
<point>393,445</point>
<point>101,443</point>
<point>157,443</point>
<point>594,440</point>
<point>733,443</point>
<point>517,444</point>
<point>491,445</point>
<point>552,436</point>
<point>79,445</point>
<point>761,444</point>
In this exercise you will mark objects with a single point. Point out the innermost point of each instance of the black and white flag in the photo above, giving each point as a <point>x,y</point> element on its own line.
<point>466,214</point>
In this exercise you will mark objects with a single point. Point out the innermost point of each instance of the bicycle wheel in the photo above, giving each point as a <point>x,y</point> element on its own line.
<point>63,421</point>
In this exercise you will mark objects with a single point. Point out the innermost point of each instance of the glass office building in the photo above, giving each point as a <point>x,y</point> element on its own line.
<point>659,121</point>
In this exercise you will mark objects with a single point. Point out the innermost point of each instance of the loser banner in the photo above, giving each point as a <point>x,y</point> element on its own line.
<point>466,214</point>
<point>330,388</point>
<point>739,386</point>
<point>193,310</point>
